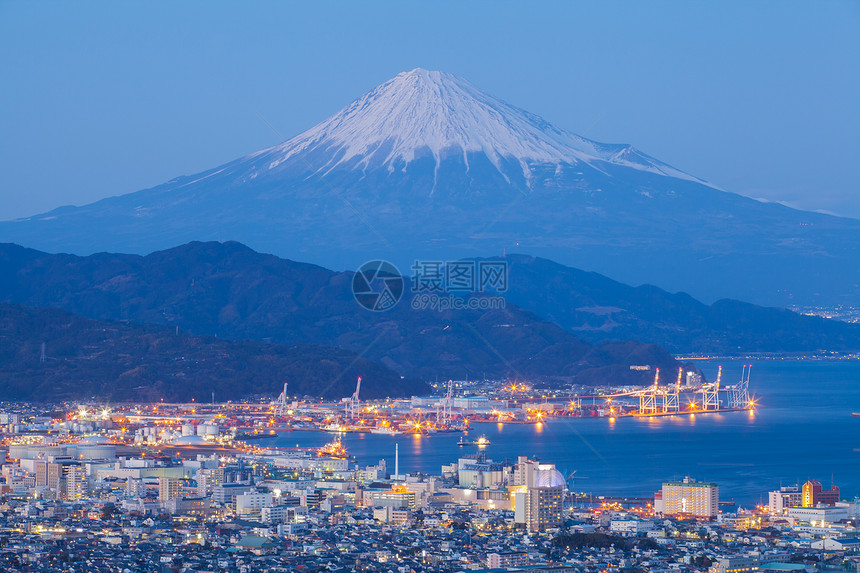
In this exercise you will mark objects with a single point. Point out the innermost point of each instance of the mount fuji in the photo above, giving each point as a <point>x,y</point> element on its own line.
<point>427,166</point>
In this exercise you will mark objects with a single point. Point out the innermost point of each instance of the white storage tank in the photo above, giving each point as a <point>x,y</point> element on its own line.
<point>187,430</point>
<point>207,430</point>
<point>46,452</point>
<point>96,452</point>
<point>19,451</point>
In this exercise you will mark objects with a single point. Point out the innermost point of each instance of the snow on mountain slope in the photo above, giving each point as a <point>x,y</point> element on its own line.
<point>442,114</point>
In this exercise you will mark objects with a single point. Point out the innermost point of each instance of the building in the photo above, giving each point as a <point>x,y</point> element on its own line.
<point>186,506</point>
<point>207,479</point>
<point>312,497</point>
<point>169,488</point>
<point>786,497</point>
<point>391,514</point>
<point>397,498</point>
<point>76,483</point>
<point>839,544</point>
<point>53,474</point>
<point>225,493</point>
<point>690,497</point>
<point>818,515</point>
<point>629,527</point>
<point>479,472</point>
<point>135,487</point>
<point>507,559</point>
<point>251,502</point>
<point>540,507</point>
<point>745,564</point>
<point>815,494</point>
<point>544,509</point>
<point>283,514</point>
<point>526,471</point>
<point>257,545</point>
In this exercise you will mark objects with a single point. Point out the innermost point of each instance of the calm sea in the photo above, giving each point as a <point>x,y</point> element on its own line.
<point>802,430</point>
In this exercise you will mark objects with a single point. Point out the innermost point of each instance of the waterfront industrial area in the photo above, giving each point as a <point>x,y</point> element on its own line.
<point>199,487</point>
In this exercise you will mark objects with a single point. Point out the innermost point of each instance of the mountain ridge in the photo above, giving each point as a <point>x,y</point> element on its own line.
<point>596,307</point>
<point>231,291</point>
<point>615,213</point>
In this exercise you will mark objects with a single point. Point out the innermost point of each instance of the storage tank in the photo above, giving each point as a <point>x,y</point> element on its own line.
<point>187,430</point>
<point>45,452</point>
<point>96,452</point>
<point>207,430</point>
<point>19,451</point>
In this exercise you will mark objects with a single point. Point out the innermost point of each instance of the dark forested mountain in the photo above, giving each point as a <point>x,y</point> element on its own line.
<point>133,362</point>
<point>230,291</point>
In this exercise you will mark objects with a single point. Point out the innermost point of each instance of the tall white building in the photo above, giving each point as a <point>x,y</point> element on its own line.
<point>689,497</point>
<point>207,479</point>
<point>539,501</point>
<point>169,488</point>
<point>76,483</point>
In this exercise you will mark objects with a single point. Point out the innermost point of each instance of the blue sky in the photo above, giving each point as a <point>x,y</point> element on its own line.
<point>99,99</point>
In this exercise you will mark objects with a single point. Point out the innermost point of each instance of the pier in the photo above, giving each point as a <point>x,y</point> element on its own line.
<point>675,399</point>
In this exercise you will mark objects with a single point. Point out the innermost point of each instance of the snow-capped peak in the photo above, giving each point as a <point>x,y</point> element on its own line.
<point>423,111</point>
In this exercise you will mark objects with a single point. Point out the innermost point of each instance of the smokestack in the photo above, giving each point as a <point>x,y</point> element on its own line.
<point>396,461</point>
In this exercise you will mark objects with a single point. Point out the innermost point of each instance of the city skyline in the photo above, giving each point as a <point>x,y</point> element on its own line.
<point>494,286</point>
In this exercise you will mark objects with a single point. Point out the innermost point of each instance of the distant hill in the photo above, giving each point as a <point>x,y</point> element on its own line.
<point>228,290</point>
<point>595,308</point>
<point>124,362</point>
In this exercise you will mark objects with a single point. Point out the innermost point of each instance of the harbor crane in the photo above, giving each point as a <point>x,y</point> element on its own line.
<point>353,403</point>
<point>280,403</point>
<point>738,395</point>
<point>443,409</point>
<point>711,393</point>
<point>648,398</point>
<point>671,399</point>
<point>657,400</point>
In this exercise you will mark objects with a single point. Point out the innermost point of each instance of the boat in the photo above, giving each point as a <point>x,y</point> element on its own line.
<point>385,430</point>
<point>333,449</point>
<point>855,414</point>
<point>481,442</point>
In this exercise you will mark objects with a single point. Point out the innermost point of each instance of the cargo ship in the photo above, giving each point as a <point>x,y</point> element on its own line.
<point>481,442</point>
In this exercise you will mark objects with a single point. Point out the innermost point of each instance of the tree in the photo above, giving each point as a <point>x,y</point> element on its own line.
<point>109,510</point>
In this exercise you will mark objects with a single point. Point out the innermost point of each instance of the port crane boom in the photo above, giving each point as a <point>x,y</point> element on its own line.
<point>280,403</point>
<point>353,403</point>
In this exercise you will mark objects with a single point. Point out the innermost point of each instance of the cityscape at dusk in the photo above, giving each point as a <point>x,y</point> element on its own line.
<point>561,287</point>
